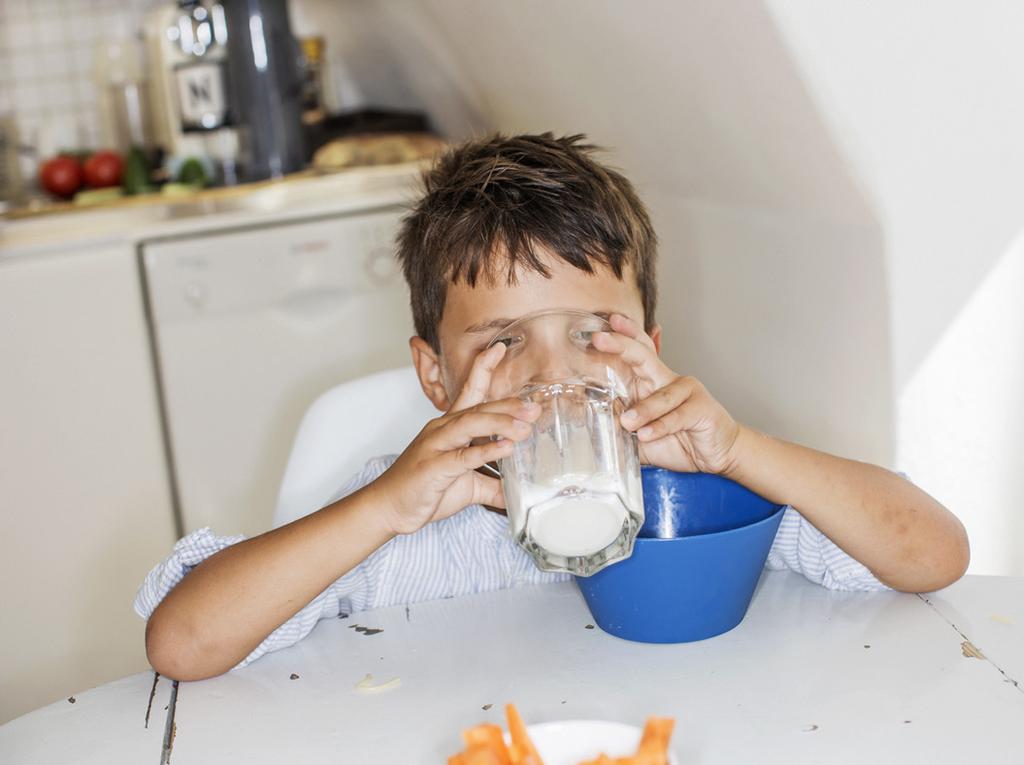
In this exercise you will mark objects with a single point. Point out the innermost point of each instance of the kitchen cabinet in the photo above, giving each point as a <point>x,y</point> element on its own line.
<point>86,496</point>
<point>85,499</point>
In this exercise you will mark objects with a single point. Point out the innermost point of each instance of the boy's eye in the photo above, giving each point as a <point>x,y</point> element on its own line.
<point>509,340</point>
<point>582,336</point>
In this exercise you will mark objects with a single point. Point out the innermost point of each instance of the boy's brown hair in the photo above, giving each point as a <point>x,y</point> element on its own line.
<point>488,203</point>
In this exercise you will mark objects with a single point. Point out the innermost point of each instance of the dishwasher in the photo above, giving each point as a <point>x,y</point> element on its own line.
<point>248,328</point>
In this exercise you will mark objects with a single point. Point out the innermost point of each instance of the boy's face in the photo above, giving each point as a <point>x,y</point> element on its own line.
<point>472,315</point>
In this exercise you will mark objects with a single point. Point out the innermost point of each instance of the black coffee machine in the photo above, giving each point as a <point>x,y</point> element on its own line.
<point>265,88</point>
<point>225,86</point>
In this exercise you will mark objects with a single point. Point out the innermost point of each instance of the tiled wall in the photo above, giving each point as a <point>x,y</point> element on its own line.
<point>47,65</point>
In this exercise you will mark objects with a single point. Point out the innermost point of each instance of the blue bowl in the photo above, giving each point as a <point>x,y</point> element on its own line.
<point>694,565</point>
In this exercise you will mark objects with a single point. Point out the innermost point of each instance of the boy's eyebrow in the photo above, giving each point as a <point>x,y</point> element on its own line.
<point>489,326</point>
<point>500,323</point>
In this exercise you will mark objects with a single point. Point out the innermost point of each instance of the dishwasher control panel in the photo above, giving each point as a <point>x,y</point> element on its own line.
<point>294,266</point>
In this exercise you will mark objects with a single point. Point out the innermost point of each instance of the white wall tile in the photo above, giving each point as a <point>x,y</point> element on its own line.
<point>59,95</point>
<point>84,58</point>
<point>86,31</point>
<point>20,34</point>
<point>28,128</point>
<point>18,7</point>
<point>86,90</point>
<point>48,32</point>
<point>23,67</point>
<point>90,135</point>
<point>51,66</point>
<point>89,27</point>
<point>26,98</point>
<point>47,94</point>
<point>47,61</point>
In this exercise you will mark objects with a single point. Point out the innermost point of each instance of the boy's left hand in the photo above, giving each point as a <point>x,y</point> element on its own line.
<point>678,424</point>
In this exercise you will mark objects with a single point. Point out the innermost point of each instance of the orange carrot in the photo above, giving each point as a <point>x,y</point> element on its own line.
<point>653,746</point>
<point>485,734</point>
<point>604,759</point>
<point>483,755</point>
<point>489,737</point>
<point>485,745</point>
<point>522,751</point>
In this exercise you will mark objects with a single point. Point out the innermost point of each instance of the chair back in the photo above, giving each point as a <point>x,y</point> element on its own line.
<point>346,426</point>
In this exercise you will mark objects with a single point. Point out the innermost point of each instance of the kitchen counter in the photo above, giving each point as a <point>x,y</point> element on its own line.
<point>123,322</point>
<point>303,195</point>
<point>810,676</point>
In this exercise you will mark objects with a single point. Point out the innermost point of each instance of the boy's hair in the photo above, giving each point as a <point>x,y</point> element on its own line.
<point>488,203</point>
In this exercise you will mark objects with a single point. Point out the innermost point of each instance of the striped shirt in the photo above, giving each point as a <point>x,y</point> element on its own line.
<point>471,551</point>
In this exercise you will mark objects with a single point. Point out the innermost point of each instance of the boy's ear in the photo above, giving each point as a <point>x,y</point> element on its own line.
<point>428,369</point>
<point>655,335</point>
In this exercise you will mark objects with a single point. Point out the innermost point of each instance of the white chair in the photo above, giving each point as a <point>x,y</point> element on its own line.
<point>346,426</point>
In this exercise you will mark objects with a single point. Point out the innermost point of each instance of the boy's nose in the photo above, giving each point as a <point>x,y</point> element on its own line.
<point>549,356</point>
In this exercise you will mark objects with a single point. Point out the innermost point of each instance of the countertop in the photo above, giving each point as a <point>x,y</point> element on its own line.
<point>304,195</point>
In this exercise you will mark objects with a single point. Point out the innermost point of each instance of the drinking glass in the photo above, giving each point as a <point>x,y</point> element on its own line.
<point>572,488</point>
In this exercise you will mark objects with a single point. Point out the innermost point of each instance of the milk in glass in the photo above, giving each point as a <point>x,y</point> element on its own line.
<point>573,488</point>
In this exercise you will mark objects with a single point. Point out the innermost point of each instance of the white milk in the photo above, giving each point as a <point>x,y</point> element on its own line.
<point>577,525</point>
<point>576,482</point>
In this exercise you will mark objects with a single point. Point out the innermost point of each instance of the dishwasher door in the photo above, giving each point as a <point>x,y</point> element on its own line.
<point>248,328</point>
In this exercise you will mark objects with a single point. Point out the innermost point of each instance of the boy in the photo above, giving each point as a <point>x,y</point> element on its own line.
<point>509,226</point>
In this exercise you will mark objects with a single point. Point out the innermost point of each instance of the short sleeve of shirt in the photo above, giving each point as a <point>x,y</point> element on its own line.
<point>350,593</point>
<point>799,546</point>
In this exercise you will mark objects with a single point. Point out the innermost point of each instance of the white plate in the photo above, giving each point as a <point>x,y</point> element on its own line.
<point>571,742</point>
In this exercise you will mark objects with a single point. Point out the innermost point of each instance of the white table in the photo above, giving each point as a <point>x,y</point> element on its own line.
<point>810,676</point>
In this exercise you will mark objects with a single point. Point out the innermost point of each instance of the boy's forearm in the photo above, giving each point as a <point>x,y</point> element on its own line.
<point>905,537</point>
<point>230,602</point>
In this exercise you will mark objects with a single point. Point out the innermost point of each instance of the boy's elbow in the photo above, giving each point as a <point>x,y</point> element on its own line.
<point>174,651</point>
<point>944,564</point>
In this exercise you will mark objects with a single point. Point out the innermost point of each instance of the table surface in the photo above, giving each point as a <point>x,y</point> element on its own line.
<point>809,676</point>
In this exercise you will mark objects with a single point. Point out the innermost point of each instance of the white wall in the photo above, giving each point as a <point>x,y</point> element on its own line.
<point>770,255</point>
<point>832,182</point>
<point>925,101</point>
<point>784,319</point>
<point>960,416</point>
<point>763,232</point>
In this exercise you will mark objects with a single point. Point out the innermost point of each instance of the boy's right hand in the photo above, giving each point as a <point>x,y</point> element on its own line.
<point>436,476</point>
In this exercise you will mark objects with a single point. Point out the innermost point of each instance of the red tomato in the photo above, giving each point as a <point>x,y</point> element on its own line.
<point>103,169</point>
<point>61,176</point>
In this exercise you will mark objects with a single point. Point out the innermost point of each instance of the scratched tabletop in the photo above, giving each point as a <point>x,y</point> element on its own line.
<point>810,676</point>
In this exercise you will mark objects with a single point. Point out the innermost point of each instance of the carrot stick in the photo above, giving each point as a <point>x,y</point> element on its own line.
<point>483,755</point>
<point>485,734</point>
<point>489,737</point>
<point>522,751</point>
<point>604,759</point>
<point>653,746</point>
